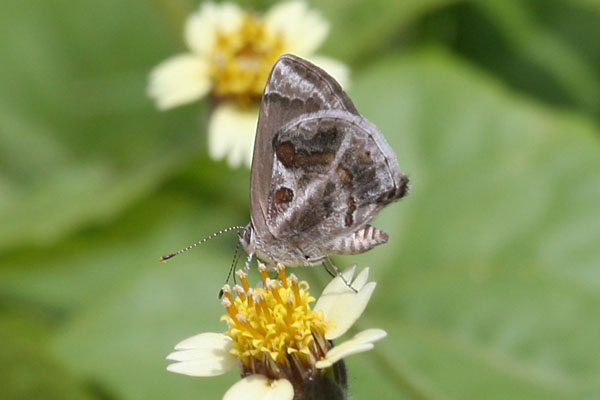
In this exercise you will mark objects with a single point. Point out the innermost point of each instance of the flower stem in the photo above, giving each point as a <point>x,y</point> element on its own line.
<point>330,384</point>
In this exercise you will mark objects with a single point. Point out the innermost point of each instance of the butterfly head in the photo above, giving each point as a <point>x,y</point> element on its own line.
<point>246,236</point>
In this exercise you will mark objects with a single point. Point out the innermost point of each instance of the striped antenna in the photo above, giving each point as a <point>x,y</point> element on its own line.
<point>214,235</point>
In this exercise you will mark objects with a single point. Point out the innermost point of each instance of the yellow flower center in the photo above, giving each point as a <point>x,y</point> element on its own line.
<point>242,60</point>
<point>274,326</point>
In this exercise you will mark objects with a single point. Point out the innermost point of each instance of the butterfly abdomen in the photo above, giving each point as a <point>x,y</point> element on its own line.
<point>359,241</point>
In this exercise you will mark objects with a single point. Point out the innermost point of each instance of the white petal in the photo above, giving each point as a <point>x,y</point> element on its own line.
<point>361,279</point>
<point>178,80</point>
<point>335,68</point>
<point>341,305</point>
<point>202,26</point>
<point>369,336</point>
<point>333,288</point>
<point>231,134</point>
<point>342,352</point>
<point>362,341</point>
<point>204,340</point>
<point>347,310</point>
<point>303,29</point>
<point>207,354</point>
<point>205,367</point>
<point>348,273</point>
<point>337,284</point>
<point>258,387</point>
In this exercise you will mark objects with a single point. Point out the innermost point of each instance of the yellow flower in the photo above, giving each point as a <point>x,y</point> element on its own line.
<point>231,54</point>
<point>279,341</point>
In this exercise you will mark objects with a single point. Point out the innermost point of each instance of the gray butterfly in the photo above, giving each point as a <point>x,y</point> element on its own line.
<point>320,171</point>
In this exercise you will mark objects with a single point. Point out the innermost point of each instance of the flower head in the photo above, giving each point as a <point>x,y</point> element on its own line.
<point>279,341</point>
<point>231,54</point>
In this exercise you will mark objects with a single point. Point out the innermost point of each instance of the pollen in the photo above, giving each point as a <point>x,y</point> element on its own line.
<point>273,327</point>
<point>242,59</point>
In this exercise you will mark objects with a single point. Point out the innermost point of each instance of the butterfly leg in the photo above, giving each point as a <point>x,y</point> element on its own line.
<point>339,273</point>
<point>332,274</point>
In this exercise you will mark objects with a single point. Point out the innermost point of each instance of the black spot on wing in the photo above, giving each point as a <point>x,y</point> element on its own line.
<point>290,158</point>
<point>284,195</point>
<point>349,219</point>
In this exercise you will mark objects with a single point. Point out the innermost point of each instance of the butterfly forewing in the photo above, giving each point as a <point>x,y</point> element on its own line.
<point>295,87</point>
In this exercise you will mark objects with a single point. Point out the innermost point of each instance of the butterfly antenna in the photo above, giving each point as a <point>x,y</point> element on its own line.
<point>214,235</point>
<point>236,259</point>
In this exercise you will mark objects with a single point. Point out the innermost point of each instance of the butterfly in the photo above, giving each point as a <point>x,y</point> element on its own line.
<point>320,171</point>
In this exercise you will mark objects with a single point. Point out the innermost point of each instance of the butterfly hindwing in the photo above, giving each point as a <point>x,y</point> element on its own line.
<point>332,172</point>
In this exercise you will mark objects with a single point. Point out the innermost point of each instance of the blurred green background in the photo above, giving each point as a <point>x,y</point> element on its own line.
<point>489,287</point>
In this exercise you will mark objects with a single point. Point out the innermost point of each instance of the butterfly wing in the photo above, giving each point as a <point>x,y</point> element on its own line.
<point>332,172</point>
<point>295,87</point>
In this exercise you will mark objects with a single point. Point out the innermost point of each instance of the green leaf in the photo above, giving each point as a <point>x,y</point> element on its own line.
<point>553,36</point>
<point>128,329</point>
<point>82,270</point>
<point>115,312</point>
<point>80,140</point>
<point>361,28</point>
<point>28,372</point>
<point>489,285</point>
